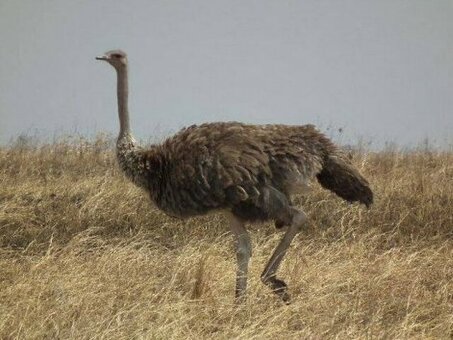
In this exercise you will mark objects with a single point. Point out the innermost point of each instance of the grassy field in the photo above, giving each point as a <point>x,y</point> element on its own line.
<point>83,254</point>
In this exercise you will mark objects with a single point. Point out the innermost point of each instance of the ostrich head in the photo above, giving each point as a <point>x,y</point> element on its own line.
<point>116,58</point>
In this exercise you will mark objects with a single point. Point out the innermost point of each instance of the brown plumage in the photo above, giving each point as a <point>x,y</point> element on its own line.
<point>248,171</point>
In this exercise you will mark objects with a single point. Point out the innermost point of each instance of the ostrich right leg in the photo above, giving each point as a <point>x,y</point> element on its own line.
<point>243,254</point>
<point>298,219</point>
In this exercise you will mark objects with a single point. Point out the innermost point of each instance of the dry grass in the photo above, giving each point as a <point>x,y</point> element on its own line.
<point>84,255</point>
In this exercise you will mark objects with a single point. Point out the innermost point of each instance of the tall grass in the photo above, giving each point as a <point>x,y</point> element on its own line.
<point>83,254</point>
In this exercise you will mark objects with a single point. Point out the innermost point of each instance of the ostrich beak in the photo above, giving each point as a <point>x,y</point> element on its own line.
<point>102,57</point>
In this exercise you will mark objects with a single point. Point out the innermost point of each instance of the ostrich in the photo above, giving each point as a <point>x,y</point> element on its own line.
<point>247,171</point>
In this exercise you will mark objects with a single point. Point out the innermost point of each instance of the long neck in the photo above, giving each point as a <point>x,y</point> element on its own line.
<point>122,93</point>
<point>129,155</point>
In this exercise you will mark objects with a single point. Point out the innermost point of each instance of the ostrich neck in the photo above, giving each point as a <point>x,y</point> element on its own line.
<point>123,111</point>
<point>129,154</point>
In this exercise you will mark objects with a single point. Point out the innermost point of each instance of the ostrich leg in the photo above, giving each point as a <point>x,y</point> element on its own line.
<point>268,276</point>
<point>243,254</point>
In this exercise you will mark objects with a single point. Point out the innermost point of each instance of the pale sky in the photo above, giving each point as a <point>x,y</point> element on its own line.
<point>382,70</point>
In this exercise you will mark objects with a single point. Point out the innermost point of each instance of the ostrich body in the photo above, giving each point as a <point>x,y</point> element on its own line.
<point>247,171</point>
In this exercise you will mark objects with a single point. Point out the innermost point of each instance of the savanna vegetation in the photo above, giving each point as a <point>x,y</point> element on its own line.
<point>83,254</point>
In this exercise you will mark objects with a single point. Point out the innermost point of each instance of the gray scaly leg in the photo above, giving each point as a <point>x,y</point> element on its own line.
<point>268,275</point>
<point>243,254</point>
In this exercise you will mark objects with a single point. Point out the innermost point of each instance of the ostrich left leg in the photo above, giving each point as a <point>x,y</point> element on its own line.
<point>243,254</point>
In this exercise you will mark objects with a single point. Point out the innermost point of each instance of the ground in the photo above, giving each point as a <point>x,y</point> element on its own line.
<point>83,254</point>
